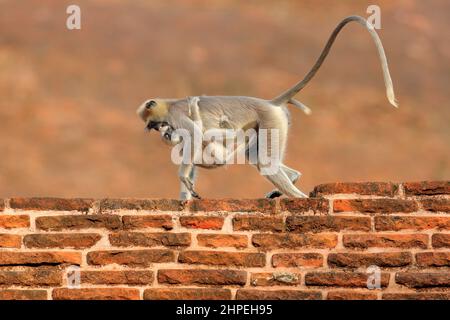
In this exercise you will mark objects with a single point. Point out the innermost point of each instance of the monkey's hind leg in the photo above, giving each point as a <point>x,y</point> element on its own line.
<point>187,175</point>
<point>284,184</point>
<point>292,174</point>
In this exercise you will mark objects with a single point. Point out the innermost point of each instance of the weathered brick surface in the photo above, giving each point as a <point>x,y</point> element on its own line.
<point>202,222</point>
<point>61,240</point>
<point>387,189</point>
<point>436,205</point>
<point>147,221</point>
<point>141,239</point>
<point>417,296</point>
<point>427,188</point>
<point>47,204</point>
<point>14,221</point>
<point>127,277</point>
<point>268,279</point>
<point>375,205</point>
<point>355,260</point>
<point>231,249</point>
<point>433,259</point>
<point>10,241</point>
<point>78,222</point>
<point>304,205</point>
<point>342,279</point>
<point>38,258</point>
<point>141,204</point>
<point>233,205</point>
<point>287,260</point>
<point>257,294</point>
<point>202,277</point>
<point>423,280</point>
<point>31,277</point>
<point>441,240</point>
<point>222,240</point>
<point>16,294</point>
<point>294,240</point>
<point>95,294</point>
<point>244,259</point>
<point>187,294</point>
<point>351,295</point>
<point>398,223</point>
<point>364,241</point>
<point>326,223</point>
<point>132,258</point>
<point>274,224</point>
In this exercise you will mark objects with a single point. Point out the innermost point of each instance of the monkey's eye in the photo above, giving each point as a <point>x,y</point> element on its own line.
<point>150,104</point>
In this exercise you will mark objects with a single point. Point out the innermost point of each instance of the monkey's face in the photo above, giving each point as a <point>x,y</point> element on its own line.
<point>153,112</point>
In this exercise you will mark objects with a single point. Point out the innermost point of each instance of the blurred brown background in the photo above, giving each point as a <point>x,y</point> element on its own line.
<point>68,98</point>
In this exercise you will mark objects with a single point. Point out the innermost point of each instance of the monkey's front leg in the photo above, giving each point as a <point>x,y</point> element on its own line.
<point>186,174</point>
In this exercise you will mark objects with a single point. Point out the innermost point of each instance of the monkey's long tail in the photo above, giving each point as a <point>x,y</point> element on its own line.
<point>287,95</point>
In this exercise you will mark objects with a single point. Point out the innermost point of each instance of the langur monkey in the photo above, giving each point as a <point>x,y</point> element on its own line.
<point>204,113</point>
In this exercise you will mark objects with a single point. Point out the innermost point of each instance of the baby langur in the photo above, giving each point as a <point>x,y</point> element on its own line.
<point>199,115</point>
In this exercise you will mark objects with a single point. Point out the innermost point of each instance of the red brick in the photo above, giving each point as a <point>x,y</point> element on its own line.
<point>261,223</point>
<point>148,221</point>
<point>141,204</point>
<point>233,205</point>
<point>351,295</point>
<point>362,188</point>
<point>202,277</point>
<point>374,205</point>
<point>61,240</point>
<point>141,239</point>
<point>294,240</point>
<point>384,259</point>
<point>256,294</point>
<point>342,279</point>
<point>10,240</point>
<point>268,279</point>
<point>13,294</point>
<point>202,222</point>
<point>46,204</point>
<point>426,188</point>
<point>433,259</point>
<point>287,260</point>
<point>76,222</point>
<point>95,294</point>
<point>441,240</point>
<point>128,277</point>
<point>396,223</point>
<point>326,223</point>
<point>304,205</point>
<point>14,221</point>
<point>389,240</point>
<point>33,277</point>
<point>132,258</point>
<point>222,240</point>
<point>436,205</point>
<point>417,296</point>
<point>244,259</point>
<point>11,258</point>
<point>187,294</point>
<point>423,280</point>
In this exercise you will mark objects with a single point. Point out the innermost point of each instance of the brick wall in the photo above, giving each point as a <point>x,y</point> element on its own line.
<point>317,248</point>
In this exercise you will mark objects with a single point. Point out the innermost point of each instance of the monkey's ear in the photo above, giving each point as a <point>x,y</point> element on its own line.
<point>150,104</point>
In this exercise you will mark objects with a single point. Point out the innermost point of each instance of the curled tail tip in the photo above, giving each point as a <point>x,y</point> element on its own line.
<point>307,111</point>
<point>391,97</point>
